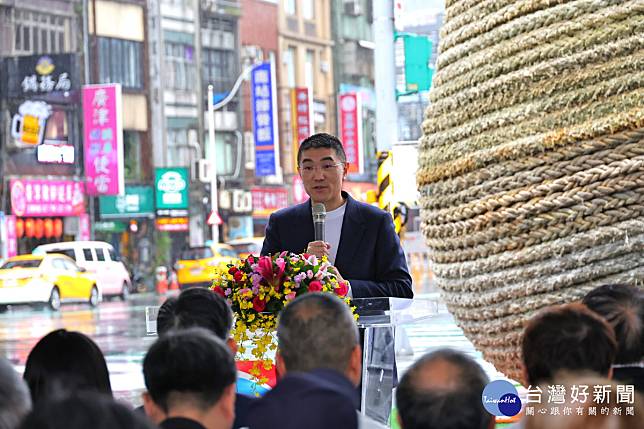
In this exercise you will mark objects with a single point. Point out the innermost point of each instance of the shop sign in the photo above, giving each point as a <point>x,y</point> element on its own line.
<point>267,200</point>
<point>110,226</point>
<point>172,224</point>
<point>171,187</point>
<point>39,75</point>
<point>301,118</point>
<point>8,235</point>
<point>264,107</point>
<point>103,134</point>
<point>299,193</point>
<point>28,125</point>
<point>138,201</point>
<point>83,227</point>
<point>350,114</point>
<point>34,198</point>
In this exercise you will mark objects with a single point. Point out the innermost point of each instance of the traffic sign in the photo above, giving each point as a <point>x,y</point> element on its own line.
<point>214,219</point>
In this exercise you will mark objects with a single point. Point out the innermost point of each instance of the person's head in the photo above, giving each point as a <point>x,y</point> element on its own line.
<point>197,307</point>
<point>323,167</point>
<point>443,390</point>
<point>623,308</point>
<point>15,401</point>
<point>64,361</point>
<point>582,416</point>
<point>82,411</point>
<point>566,337</point>
<point>190,373</point>
<point>317,330</point>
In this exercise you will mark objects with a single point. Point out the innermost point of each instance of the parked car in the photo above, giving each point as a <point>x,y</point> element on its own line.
<point>99,259</point>
<point>195,264</point>
<point>49,278</point>
<point>247,246</point>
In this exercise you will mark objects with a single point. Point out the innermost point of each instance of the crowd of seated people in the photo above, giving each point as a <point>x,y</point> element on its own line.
<point>190,373</point>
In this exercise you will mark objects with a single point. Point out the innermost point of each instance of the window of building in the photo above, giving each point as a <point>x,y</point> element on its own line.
<point>132,154</point>
<point>289,62</point>
<point>308,9</point>
<point>218,68</point>
<point>120,61</point>
<point>36,32</point>
<point>178,150</point>
<point>180,66</point>
<point>309,70</point>
<point>289,7</point>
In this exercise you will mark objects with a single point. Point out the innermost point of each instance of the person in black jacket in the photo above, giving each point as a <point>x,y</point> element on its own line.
<point>190,378</point>
<point>360,239</point>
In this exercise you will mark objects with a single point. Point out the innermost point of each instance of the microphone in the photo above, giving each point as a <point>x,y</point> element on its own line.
<point>319,216</point>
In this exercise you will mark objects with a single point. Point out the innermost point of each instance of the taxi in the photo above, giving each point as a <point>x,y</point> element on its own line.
<point>196,265</point>
<point>45,279</point>
<point>247,246</point>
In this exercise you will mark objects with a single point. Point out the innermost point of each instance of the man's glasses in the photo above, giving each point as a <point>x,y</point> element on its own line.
<point>326,167</point>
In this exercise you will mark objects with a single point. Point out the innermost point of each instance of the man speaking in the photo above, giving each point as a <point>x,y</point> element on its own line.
<point>359,239</point>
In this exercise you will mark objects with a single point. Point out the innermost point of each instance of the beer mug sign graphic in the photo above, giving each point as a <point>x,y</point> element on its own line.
<point>28,125</point>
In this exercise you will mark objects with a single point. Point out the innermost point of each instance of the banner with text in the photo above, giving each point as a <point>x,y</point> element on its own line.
<point>103,134</point>
<point>350,115</point>
<point>264,106</point>
<point>35,198</point>
<point>301,118</point>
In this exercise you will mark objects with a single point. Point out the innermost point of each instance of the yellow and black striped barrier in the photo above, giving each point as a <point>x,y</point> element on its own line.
<point>384,196</point>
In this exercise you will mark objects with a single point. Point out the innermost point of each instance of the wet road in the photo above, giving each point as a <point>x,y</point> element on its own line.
<point>117,327</point>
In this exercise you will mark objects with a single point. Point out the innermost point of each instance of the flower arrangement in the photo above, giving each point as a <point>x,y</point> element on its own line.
<point>258,288</point>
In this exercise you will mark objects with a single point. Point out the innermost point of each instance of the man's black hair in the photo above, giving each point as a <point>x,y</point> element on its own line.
<point>567,337</point>
<point>457,405</point>
<point>82,411</point>
<point>196,307</point>
<point>188,365</point>
<point>316,330</point>
<point>622,306</point>
<point>322,140</point>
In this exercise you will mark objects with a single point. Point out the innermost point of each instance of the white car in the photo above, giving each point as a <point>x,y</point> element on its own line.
<point>100,260</point>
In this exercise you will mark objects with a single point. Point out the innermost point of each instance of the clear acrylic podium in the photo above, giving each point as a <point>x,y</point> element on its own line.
<point>378,322</point>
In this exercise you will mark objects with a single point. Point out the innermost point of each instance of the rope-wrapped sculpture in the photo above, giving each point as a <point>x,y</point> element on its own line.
<point>531,166</point>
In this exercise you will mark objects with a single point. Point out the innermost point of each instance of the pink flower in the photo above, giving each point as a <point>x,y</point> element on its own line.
<point>309,274</point>
<point>342,289</point>
<point>315,286</point>
<point>290,296</point>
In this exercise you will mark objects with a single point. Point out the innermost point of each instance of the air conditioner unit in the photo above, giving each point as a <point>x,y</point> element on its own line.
<point>204,170</point>
<point>242,201</point>
<point>324,66</point>
<point>352,7</point>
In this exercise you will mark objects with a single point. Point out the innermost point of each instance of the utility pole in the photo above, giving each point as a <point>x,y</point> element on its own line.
<point>214,203</point>
<point>385,75</point>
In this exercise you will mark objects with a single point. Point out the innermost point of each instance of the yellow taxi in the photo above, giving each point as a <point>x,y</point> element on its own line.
<point>247,246</point>
<point>45,279</point>
<point>195,265</point>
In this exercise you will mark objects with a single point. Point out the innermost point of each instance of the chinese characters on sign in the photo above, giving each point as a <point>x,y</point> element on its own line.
<point>47,83</point>
<point>350,109</point>
<point>103,134</point>
<point>562,400</point>
<point>46,198</point>
<point>264,119</point>
<point>301,121</point>
<point>11,239</point>
<point>267,200</point>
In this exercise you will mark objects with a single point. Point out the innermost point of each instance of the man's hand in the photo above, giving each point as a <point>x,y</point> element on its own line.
<point>318,248</point>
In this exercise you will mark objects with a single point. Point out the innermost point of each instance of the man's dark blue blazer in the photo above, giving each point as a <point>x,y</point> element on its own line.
<point>321,399</point>
<point>369,254</point>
